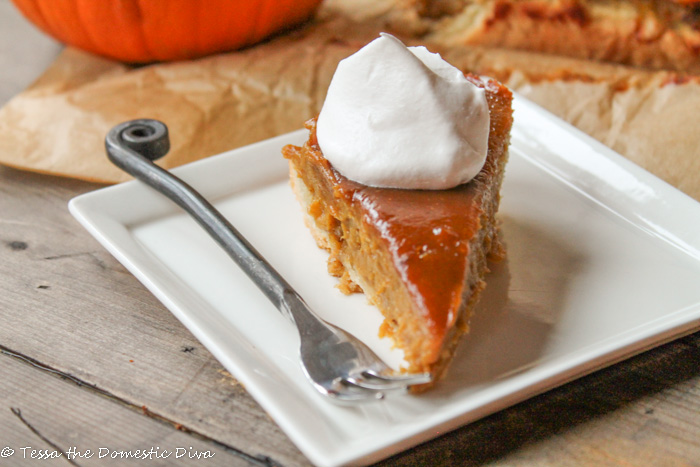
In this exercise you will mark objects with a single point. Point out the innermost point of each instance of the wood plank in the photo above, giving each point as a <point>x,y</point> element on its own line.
<point>47,419</point>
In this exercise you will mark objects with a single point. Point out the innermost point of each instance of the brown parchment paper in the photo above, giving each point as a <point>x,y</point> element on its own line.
<point>229,100</point>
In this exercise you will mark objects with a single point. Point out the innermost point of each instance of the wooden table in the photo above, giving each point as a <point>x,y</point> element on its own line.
<point>89,359</point>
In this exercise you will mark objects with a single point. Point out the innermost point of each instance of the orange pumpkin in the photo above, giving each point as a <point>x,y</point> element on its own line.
<point>140,31</point>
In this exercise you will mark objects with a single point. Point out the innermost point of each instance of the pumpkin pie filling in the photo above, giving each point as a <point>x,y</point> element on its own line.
<point>420,256</point>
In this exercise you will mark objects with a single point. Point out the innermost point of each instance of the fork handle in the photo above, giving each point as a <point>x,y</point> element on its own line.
<point>133,146</point>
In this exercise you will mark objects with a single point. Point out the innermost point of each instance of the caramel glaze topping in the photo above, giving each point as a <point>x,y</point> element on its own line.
<point>428,235</point>
<point>427,232</point>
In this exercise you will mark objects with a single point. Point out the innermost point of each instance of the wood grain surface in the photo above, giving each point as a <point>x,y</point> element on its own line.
<point>90,359</point>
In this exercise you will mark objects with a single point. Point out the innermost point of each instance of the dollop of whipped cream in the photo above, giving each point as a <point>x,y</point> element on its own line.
<point>402,117</point>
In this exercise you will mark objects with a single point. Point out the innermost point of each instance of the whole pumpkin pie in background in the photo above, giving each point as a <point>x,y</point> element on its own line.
<point>419,255</point>
<point>653,34</point>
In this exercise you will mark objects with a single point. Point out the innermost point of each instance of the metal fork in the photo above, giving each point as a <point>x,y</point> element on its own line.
<point>336,363</point>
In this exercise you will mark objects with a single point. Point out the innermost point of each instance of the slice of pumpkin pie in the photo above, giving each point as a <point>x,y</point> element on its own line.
<point>414,234</point>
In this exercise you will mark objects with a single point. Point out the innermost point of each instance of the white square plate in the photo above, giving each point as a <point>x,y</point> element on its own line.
<point>603,262</point>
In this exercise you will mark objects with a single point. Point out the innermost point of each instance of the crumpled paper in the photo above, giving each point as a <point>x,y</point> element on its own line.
<point>225,101</point>
<point>210,105</point>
